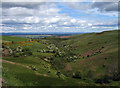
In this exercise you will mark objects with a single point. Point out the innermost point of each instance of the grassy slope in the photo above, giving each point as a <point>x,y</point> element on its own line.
<point>20,76</point>
<point>16,75</point>
<point>95,63</point>
<point>107,39</point>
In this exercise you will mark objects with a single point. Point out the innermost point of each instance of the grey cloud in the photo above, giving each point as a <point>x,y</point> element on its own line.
<point>34,9</point>
<point>78,5</point>
<point>101,6</point>
<point>105,6</point>
<point>21,4</point>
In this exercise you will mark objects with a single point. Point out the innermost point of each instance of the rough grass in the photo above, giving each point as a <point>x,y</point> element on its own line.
<point>20,76</point>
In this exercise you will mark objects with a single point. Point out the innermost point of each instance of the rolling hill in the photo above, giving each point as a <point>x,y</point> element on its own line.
<point>89,59</point>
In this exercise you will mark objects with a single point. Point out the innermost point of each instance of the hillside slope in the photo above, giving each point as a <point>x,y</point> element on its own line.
<point>86,59</point>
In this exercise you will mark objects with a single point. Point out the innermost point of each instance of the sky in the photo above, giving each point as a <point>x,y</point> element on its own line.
<point>59,16</point>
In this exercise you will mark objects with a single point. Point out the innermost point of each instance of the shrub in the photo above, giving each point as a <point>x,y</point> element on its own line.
<point>57,63</point>
<point>77,75</point>
<point>27,51</point>
<point>104,79</point>
<point>58,74</point>
<point>103,65</point>
<point>90,74</point>
<point>16,54</point>
<point>116,76</point>
<point>113,73</point>
<point>12,42</point>
<point>68,73</point>
<point>3,46</point>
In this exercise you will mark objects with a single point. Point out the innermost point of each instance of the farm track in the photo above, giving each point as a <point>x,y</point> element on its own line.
<point>38,74</point>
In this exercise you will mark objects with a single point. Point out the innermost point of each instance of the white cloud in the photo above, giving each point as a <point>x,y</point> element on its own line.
<point>65,23</point>
<point>89,24</point>
<point>46,18</point>
<point>73,20</point>
<point>52,20</point>
<point>32,19</point>
<point>95,27</point>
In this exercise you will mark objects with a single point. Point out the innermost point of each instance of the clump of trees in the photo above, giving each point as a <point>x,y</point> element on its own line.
<point>72,58</point>
<point>53,49</point>
<point>18,51</point>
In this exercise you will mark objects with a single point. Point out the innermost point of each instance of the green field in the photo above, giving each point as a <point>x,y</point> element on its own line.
<point>89,59</point>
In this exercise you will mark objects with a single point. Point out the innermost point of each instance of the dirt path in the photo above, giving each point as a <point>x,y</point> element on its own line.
<point>23,66</point>
<point>16,64</point>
